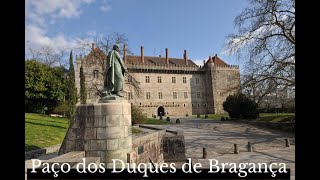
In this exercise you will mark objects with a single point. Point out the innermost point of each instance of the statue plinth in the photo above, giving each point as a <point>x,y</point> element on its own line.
<point>101,130</point>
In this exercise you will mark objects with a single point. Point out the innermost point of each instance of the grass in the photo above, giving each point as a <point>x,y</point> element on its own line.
<point>154,121</point>
<point>212,116</point>
<point>43,131</point>
<point>136,131</point>
<point>275,117</point>
<point>269,117</point>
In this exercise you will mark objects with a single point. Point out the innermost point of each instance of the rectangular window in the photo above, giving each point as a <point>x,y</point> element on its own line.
<point>174,95</point>
<point>95,74</point>
<point>185,95</point>
<point>184,79</point>
<point>159,79</point>
<point>147,95</point>
<point>160,95</point>
<point>198,94</point>
<point>130,96</point>
<point>173,79</point>
<point>197,80</point>
<point>228,78</point>
<point>147,79</point>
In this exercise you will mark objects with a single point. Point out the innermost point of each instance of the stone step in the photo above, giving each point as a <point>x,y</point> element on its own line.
<point>70,157</point>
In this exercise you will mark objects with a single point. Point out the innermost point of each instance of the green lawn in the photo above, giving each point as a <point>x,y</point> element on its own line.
<point>271,117</point>
<point>276,117</point>
<point>212,116</point>
<point>136,131</point>
<point>43,131</point>
<point>155,121</point>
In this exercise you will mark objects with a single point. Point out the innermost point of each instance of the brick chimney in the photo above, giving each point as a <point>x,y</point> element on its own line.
<point>167,58</point>
<point>142,55</point>
<point>124,54</point>
<point>210,59</point>
<point>185,57</point>
<point>92,46</point>
<point>215,58</point>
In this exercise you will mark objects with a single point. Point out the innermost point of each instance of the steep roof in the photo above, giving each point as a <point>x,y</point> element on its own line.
<point>217,61</point>
<point>157,60</point>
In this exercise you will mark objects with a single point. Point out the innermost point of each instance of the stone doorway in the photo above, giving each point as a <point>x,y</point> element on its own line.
<point>161,110</point>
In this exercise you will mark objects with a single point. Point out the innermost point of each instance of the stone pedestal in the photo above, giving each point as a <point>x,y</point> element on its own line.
<point>108,130</point>
<point>102,130</point>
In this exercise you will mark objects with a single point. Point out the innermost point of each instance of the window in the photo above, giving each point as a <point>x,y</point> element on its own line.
<point>173,79</point>
<point>95,74</point>
<point>129,79</point>
<point>174,95</point>
<point>198,94</point>
<point>159,79</point>
<point>205,105</point>
<point>198,105</point>
<point>197,80</point>
<point>185,95</point>
<point>184,105</point>
<point>228,78</point>
<point>160,95</point>
<point>184,79</point>
<point>147,95</point>
<point>147,79</point>
<point>130,96</point>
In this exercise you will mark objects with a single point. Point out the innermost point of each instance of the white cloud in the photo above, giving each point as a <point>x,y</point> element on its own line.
<point>36,38</point>
<point>105,6</point>
<point>39,13</point>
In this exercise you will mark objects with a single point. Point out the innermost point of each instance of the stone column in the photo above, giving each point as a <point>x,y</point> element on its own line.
<point>108,131</point>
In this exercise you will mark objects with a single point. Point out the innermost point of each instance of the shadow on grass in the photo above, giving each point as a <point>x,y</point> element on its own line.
<point>40,124</point>
<point>28,147</point>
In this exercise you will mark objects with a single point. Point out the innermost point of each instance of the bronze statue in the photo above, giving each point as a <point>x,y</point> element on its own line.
<point>115,73</point>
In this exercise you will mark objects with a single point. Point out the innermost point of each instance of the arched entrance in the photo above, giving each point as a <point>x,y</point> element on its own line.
<point>161,110</point>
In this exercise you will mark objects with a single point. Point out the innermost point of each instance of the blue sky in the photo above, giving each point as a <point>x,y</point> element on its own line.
<point>199,26</point>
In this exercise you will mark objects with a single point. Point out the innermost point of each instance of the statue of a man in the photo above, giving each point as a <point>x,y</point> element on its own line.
<point>115,73</point>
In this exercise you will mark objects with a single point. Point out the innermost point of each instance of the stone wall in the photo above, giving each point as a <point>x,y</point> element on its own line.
<point>173,106</point>
<point>148,147</point>
<point>225,81</point>
<point>158,146</point>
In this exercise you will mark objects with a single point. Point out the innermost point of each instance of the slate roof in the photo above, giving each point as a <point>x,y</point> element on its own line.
<point>157,60</point>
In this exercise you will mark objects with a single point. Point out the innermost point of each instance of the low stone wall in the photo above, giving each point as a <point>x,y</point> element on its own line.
<point>158,146</point>
<point>148,147</point>
<point>39,152</point>
<point>283,126</point>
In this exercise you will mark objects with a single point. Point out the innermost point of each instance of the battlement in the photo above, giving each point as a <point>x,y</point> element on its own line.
<point>164,67</point>
<point>226,66</point>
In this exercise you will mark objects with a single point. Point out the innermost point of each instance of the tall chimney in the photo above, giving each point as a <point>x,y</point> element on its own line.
<point>215,58</point>
<point>204,62</point>
<point>167,58</point>
<point>210,59</point>
<point>142,56</point>
<point>124,54</point>
<point>92,46</point>
<point>185,57</point>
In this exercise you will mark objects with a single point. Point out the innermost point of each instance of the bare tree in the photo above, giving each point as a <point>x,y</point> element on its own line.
<point>50,56</point>
<point>266,41</point>
<point>103,45</point>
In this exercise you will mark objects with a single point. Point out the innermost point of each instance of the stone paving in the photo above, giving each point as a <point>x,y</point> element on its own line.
<point>219,138</point>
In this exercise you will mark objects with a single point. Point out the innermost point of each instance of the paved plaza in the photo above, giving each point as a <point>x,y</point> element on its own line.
<point>219,137</point>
